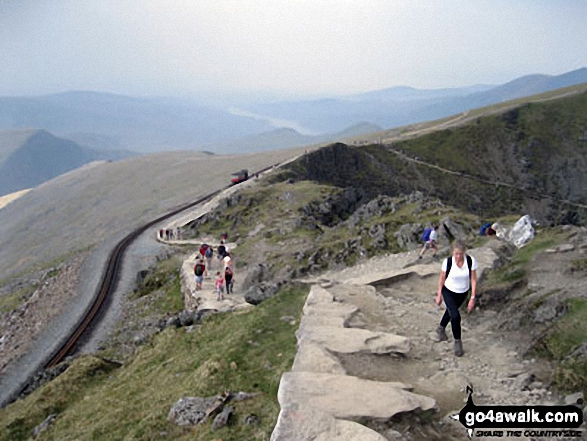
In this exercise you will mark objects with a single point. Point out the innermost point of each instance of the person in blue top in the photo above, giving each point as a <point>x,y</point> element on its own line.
<point>458,275</point>
<point>429,237</point>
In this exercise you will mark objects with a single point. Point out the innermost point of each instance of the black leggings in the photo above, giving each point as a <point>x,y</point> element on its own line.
<point>453,301</point>
<point>228,280</point>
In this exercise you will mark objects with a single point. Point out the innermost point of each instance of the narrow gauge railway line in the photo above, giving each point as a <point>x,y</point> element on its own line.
<point>109,281</point>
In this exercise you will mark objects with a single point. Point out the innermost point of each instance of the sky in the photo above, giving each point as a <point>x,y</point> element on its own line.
<point>287,47</point>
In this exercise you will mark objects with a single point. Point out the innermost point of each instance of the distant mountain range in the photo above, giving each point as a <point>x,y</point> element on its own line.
<point>106,121</point>
<point>31,157</point>
<point>109,122</point>
<point>400,106</point>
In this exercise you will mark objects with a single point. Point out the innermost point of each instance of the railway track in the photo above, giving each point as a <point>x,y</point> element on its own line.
<point>109,281</point>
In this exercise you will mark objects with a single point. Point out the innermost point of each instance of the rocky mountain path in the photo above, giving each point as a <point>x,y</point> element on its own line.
<point>206,298</point>
<point>394,296</point>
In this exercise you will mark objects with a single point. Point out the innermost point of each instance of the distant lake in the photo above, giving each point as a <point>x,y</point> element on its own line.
<point>275,122</point>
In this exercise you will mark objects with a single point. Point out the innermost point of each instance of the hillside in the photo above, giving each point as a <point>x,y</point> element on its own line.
<point>331,209</point>
<point>531,159</point>
<point>31,157</point>
<point>284,233</point>
<point>100,204</point>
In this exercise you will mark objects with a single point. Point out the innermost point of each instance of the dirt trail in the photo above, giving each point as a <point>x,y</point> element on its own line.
<point>490,365</point>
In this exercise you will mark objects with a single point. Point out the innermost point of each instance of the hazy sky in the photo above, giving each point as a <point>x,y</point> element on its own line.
<point>176,47</point>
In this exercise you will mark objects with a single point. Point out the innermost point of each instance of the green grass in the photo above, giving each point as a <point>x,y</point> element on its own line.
<point>263,204</point>
<point>579,265</point>
<point>164,274</point>
<point>569,332</point>
<point>13,300</point>
<point>132,402</point>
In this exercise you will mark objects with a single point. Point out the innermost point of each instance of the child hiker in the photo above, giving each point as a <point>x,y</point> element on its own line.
<point>219,286</point>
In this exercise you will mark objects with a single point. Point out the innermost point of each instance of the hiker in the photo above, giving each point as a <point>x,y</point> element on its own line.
<point>221,250</point>
<point>224,237</point>
<point>429,237</point>
<point>209,254</point>
<point>199,269</point>
<point>228,272</point>
<point>229,279</point>
<point>488,229</point>
<point>161,234</point>
<point>458,275</point>
<point>219,286</point>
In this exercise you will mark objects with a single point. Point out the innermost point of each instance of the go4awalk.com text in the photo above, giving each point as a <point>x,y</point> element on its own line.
<point>521,421</point>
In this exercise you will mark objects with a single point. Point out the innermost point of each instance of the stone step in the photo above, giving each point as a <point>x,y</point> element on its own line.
<point>349,398</point>
<point>353,340</point>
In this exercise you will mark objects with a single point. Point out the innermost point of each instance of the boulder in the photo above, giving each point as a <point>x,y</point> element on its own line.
<point>376,207</point>
<point>520,234</point>
<point>255,275</point>
<point>258,293</point>
<point>313,358</point>
<point>251,420</point>
<point>452,229</point>
<point>189,411</point>
<point>44,425</point>
<point>408,236</point>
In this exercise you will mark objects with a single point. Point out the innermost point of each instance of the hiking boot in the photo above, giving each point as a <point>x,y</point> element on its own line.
<point>441,334</point>
<point>459,348</point>
<point>419,257</point>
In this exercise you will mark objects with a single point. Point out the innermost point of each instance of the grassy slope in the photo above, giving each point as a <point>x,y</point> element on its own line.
<point>453,121</point>
<point>544,134</point>
<point>563,335</point>
<point>93,400</point>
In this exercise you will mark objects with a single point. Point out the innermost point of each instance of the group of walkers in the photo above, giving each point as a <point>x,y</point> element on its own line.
<point>224,276</point>
<point>170,234</point>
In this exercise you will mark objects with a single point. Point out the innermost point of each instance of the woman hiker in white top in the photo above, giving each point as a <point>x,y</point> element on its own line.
<point>454,289</point>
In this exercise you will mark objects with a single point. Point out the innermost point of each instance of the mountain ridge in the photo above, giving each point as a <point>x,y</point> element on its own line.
<point>30,157</point>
